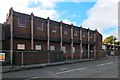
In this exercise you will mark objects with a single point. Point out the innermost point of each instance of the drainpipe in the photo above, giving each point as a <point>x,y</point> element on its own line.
<point>48,41</point>
<point>32,15</point>
<point>94,46</point>
<point>11,37</point>
<point>81,49</point>
<point>88,44</point>
<point>61,35</point>
<point>72,41</point>
<point>48,33</point>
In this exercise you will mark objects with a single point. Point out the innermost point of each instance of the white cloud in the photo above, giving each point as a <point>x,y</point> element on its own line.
<point>22,6</point>
<point>103,15</point>
<point>68,22</point>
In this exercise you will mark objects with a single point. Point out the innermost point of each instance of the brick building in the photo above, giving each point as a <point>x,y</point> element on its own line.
<point>31,33</point>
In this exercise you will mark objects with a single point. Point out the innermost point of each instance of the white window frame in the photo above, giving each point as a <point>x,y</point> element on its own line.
<point>52,48</point>
<point>38,47</point>
<point>19,25</point>
<point>75,32</point>
<point>65,31</point>
<point>73,50</point>
<point>54,29</point>
<point>21,46</point>
<point>40,28</point>
<point>83,34</point>
<point>63,49</point>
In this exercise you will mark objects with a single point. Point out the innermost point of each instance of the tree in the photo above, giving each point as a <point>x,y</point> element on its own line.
<point>111,39</point>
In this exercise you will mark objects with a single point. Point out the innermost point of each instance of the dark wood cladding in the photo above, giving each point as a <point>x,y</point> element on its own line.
<point>21,36</point>
<point>77,41</point>
<point>42,38</point>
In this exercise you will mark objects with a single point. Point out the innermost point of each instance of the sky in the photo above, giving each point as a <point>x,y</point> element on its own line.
<point>93,14</point>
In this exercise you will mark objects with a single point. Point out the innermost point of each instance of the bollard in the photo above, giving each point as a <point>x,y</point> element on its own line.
<point>22,59</point>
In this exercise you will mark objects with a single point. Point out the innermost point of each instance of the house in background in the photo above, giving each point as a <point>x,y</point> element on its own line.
<point>24,32</point>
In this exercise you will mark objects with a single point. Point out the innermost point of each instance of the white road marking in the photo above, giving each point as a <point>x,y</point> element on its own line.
<point>105,64</point>
<point>31,78</point>
<point>110,63</point>
<point>71,70</point>
<point>64,68</point>
<point>100,65</point>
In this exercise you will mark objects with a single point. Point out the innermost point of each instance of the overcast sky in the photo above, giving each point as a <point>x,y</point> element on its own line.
<point>94,14</point>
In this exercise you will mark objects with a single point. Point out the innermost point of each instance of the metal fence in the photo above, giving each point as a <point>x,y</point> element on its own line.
<point>21,58</point>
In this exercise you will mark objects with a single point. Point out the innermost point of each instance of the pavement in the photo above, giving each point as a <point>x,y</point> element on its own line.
<point>6,69</point>
<point>104,68</point>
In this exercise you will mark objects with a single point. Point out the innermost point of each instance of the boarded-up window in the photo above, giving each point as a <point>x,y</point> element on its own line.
<point>52,48</point>
<point>73,49</point>
<point>21,46</point>
<point>38,47</point>
<point>64,49</point>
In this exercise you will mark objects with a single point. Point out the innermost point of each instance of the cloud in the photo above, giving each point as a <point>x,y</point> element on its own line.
<point>44,8</point>
<point>68,22</point>
<point>102,16</point>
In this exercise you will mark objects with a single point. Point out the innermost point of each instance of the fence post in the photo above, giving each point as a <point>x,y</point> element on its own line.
<point>22,58</point>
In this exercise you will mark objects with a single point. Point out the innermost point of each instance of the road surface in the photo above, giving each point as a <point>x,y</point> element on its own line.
<point>106,68</point>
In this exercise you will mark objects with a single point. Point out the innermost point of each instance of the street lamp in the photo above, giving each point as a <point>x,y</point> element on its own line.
<point>113,46</point>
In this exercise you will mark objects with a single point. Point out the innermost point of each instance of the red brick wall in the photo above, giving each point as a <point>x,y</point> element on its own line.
<point>68,35</point>
<point>57,46</point>
<point>76,38</point>
<point>22,41</point>
<point>77,49</point>
<point>19,30</point>
<point>38,22</point>
<point>55,35</point>
<point>42,43</point>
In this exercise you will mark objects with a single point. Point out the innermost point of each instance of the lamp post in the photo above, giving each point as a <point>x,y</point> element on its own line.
<point>113,46</point>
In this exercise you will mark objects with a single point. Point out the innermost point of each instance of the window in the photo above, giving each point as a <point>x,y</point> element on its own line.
<point>38,47</point>
<point>54,29</point>
<point>75,32</point>
<point>64,49</point>
<point>40,26</point>
<point>83,34</point>
<point>21,46</point>
<point>65,31</point>
<point>21,22</point>
<point>90,35</point>
<point>52,48</point>
<point>73,49</point>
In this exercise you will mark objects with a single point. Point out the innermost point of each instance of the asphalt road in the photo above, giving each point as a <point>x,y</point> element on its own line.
<point>106,68</point>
